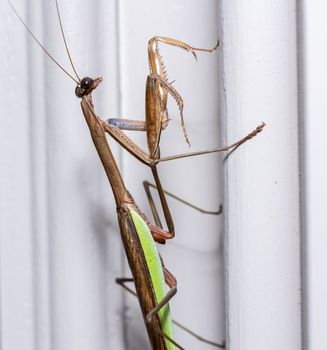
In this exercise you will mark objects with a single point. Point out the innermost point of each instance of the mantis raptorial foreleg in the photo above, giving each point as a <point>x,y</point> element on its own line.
<point>157,90</point>
<point>158,75</point>
<point>155,105</point>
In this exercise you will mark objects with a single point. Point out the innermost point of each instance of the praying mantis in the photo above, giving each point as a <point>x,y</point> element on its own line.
<point>132,221</point>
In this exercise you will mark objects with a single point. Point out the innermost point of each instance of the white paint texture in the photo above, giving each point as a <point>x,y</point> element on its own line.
<point>262,189</point>
<point>314,112</point>
<point>60,246</point>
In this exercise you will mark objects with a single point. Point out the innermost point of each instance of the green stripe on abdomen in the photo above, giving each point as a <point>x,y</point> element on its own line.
<point>156,273</point>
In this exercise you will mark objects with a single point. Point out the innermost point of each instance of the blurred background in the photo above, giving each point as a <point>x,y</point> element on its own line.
<point>253,276</point>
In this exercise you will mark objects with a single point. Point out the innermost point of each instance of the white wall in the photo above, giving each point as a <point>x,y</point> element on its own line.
<point>262,178</point>
<point>314,115</point>
<point>60,247</point>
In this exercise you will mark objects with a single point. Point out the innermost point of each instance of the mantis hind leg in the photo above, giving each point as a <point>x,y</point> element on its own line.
<point>171,282</point>
<point>221,345</point>
<point>122,282</point>
<point>147,185</point>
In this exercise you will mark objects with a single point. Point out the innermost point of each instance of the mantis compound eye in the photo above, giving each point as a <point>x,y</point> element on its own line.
<point>86,83</point>
<point>84,87</point>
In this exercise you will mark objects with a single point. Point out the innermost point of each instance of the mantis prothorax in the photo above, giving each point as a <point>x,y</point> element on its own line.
<point>138,235</point>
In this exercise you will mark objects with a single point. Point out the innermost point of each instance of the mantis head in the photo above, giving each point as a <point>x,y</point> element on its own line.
<point>86,86</point>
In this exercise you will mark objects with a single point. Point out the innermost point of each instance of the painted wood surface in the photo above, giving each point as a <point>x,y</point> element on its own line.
<point>262,178</point>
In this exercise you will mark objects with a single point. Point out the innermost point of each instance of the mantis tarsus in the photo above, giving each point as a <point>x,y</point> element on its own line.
<point>135,229</point>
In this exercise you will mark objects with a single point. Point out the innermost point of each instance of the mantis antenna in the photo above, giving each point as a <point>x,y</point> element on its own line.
<point>77,81</point>
<point>64,38</point>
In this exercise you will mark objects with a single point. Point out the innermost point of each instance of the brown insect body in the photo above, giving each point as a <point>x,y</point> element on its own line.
<point>125,203</point>
<point>140,274</point>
